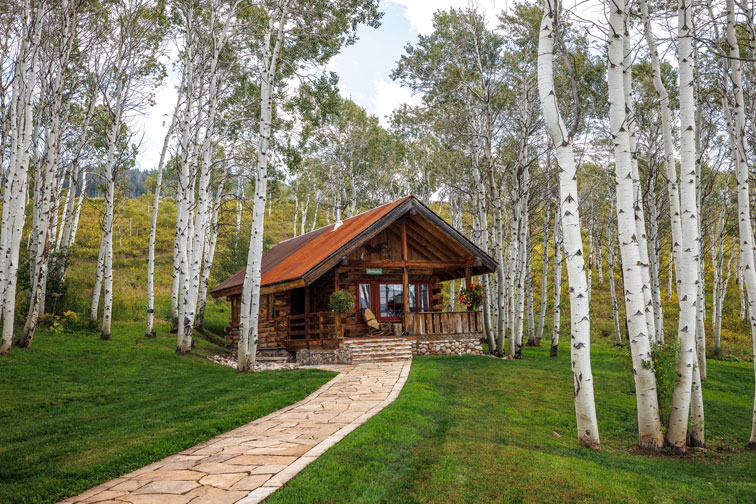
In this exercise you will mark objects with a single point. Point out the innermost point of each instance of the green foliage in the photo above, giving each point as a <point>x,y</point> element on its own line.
<point>78,411</point>
<point>664,359</point>
<point>341,302</point>
<point>231,258</point>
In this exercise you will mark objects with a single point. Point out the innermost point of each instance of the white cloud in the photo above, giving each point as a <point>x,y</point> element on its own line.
<point>388,96</point>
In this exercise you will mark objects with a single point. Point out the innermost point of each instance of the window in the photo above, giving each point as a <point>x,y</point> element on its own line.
<point>366,297</point>
<point>392,300</point>
<point>423,304</point>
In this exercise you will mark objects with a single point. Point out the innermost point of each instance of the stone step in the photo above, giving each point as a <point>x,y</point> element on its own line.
<point>379,350</point>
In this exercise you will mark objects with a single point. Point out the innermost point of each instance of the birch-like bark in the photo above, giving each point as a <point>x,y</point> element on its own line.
<point>585,408</point>
<point>544,273</point>
<point>94,305</point>
<point>149,329</point>
<point>649,421</point>
<point>250,301</point>
<point>495,345</point>
<point>44,230</point>
<point>211,241</point>
<point>557,318</point>
<point>744,213</point>
<point>673,191</point>
<point>610,257</point>
<point>640,218</point>
<point>689,251</point>
<point>653,257</point>
<point>14,197</point>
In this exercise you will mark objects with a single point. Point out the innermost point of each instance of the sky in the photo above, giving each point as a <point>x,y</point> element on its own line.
<point>364,68</point>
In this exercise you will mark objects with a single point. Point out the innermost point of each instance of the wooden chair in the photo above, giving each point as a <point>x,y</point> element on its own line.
<point>374,327</point>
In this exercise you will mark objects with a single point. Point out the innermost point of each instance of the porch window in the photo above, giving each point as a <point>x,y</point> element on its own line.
<point>366,297</point>
<point>423,304</point>
<point>392,300</point>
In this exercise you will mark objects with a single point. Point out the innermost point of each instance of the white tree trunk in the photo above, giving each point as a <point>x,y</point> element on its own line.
<point>14,198</point>
<point>250,302</point>
<point>544,274</point>
<point>149,330</point>
<point>585,408</point>
<point>649,421</point>
<point>557,322</point>
<point>669,148</point>
<point>610,257</point>
<point>689,253</point>
<point>744,214</point>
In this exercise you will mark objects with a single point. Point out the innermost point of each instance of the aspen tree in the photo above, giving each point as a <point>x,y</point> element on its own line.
<point>585,409</point>
<point>649,421</point>
<point>689,251</point>
<point>21,123</point>
<point>744,214</point>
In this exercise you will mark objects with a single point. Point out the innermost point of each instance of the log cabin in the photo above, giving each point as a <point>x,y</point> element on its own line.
<point>392,260</point>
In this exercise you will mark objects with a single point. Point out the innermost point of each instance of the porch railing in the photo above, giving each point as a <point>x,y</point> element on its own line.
<point>315,326</point>
<point>427,323</point>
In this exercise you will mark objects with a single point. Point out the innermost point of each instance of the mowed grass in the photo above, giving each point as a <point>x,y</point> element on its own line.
<point>76,411</point>
<point>477,429</point>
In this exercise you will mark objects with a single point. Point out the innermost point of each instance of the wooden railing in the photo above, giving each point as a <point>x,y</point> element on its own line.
<point>426,323</point>
<point>320,326</point>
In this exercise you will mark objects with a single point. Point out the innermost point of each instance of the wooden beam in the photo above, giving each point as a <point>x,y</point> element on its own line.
<point>283,286</point>
<point>405,292</point>
<point>410,264</point>
<point>426,248</point>
<point>404,239</point>
<point>468,278</point>
<point>336,316</point>
<point>428,239</point>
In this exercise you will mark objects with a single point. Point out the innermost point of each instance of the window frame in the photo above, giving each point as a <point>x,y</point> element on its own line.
<point>375,293</point>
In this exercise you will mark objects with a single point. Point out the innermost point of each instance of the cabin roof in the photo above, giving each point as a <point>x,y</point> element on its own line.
<point>301,260</point>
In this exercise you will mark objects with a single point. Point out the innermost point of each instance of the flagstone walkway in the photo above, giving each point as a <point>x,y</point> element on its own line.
<point>249,463</point>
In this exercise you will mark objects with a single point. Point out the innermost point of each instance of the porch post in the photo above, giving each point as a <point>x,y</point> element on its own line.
<point>307,314</point>
<point>336,316</point>
<point>468,278</point>
<point>405,275</point>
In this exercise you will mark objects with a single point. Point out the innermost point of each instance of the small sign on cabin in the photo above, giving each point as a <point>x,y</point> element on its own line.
<point>374,271</point>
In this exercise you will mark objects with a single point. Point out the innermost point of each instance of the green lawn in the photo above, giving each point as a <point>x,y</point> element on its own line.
<point>76,411</point>
<point>477,429</point>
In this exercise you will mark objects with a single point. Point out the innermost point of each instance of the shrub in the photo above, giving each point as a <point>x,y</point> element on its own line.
<point>341,302</point>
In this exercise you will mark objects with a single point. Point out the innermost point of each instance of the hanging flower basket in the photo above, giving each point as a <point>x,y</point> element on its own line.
<point>472,297</point>
<point>341,302</point>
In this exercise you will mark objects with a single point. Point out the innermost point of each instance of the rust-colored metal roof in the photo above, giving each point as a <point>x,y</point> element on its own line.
<point>292,259</point>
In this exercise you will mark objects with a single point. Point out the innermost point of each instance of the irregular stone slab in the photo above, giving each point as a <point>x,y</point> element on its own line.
<point>167,487</point>
<point>223,480</point>
<point>247,464</point>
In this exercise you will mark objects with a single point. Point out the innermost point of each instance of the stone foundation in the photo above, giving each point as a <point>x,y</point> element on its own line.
<point>448,344</point>
<point>307,357</point>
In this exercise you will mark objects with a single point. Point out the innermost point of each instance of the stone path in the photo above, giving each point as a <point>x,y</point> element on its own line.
<point>249,463</point>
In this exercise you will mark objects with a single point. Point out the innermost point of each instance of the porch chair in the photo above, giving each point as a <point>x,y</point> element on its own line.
<point>374,327</point>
